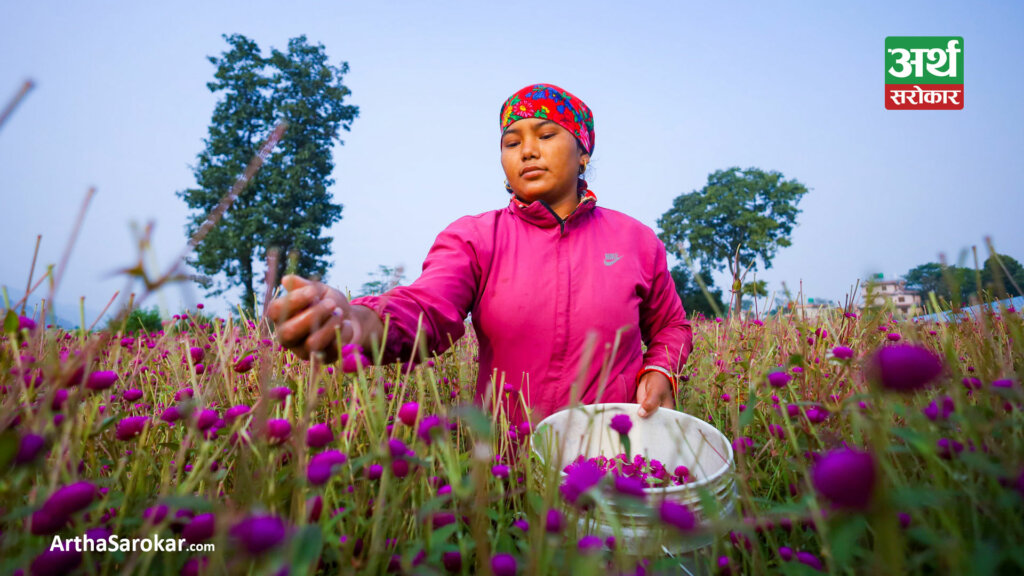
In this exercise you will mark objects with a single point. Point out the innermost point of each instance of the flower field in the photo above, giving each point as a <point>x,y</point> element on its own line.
<point>863,445</point>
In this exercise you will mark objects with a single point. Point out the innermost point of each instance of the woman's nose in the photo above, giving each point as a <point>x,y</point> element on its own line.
<point>529,148</point>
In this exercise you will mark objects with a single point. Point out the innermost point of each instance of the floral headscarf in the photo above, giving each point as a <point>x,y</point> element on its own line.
<point>555,104</point>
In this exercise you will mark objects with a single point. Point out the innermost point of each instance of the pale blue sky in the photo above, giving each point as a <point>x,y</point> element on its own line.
<point>678,90</point>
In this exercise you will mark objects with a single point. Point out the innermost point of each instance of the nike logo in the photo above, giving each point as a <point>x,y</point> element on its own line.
<point>610,259</point>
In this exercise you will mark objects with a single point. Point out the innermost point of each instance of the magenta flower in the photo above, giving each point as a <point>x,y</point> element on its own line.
<point>778,379</point>
<point>939,409</point>
<point>171,414</point>
<point>400,467</point>
<point>155,514</point>
<point>948,448</point>
<point>408,412</point>
<point>257,534</point>
<point>29,448</point>
<point>842,352</point>
<point>197,354</point>
<point>580,477</point>
<point>278,429</point>
<point>101,380</point>
<point>235,412</point>
<point>845,477</point>
<point>397,448</point>
<point>554,522</point>
<point>893,337</point>
<point>1003,383</point>
<point>132,394</point>
<point>26,323</point>
<point>499,471</point>
<point>69,499</point>
<point>742,444</point>
<point>279,392</point>
<point>621,424</point>
<point>131,427</point>
<point>245,364</point>
<point>504,565</point>
<point>55,562</point>
<point>678,515</point>
<point>429,425</point>
<point>629,486</point>
<point>200,528</point>
<point>904,368</point>
<point>319,435</point>
<point>452,561</point>
<point>374,472</point>
<point>349,363</point>
<point>817,414</point>
<point>522,524</point>
<point>589,544</point>
<point>205,419</point>
<point>809,559</point>
<point>323,465</point>
<point>786,553</point>
<point>441,519</point>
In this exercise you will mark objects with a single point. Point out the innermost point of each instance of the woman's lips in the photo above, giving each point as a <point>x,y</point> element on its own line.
<point>534,173</point>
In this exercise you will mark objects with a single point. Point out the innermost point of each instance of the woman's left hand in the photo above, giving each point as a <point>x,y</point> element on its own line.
<point>655,390</point>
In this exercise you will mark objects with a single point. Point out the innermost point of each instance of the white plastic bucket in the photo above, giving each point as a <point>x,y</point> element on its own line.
<point>674,438</point>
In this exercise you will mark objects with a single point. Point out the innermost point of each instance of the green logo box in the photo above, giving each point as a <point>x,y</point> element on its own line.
<point>924,60</point>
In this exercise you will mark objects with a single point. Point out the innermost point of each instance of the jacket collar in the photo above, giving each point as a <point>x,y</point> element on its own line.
<point>541,215</point>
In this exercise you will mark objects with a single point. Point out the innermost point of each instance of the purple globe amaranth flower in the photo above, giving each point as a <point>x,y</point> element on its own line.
<point>621,423</point>
<point>397,448</point>
<point>235,412</point>
<point>244,364</point>
<point>778,379</point>
<point>314,507</point>
<point>156,514</point>
<point>589,544</point>
<point>629,486</point>
<point>817,414</point>
<point>171,414</point>
<point>522,524</point>
<point>55,562</point>
<point>1003,383</point>
<point>132,394</point>
<point>971,383</point>
<point>205,419</point>
<point>101,380</point>
<point>70,499</point>
<point>257,534</point>
<point>677,515</point>
<point>904,367</point>
<point>441,519</point>
<point>452,561</point>
<point>279,392</point>
<point>504,565</point>
<point>278,429</point>
<point>400,467</point>
<point>319,435</point>
<point>29,448</point>
<point>499,471</point>
<point>351,363</point>
<point>408,412</point>
<point>742,444</point>
<point>131,427</point>
<point>322,466</point>
<point>786,553</point>
<point>200,528</point>
<point>893,337</point>
<point>939,409</point>
<point>374,472</point>
<point>842,352</point>
<point>845,477</point>
<point>26,323</point>
<point>428,425</point>
<point>197,354</point>
<point>580,477</point>
<point>948,448</point>
<point>808,559</point>
<point>554,521</point>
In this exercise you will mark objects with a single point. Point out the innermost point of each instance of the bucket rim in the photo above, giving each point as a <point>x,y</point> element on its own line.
<point>632,409</point>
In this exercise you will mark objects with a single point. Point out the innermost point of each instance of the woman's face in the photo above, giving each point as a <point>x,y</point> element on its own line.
<point>541,160</point>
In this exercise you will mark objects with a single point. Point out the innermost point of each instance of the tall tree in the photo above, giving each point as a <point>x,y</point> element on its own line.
<point>383,280</point>
<point>994,276</point>
<point>287,204</point>
<point>928,278</point>
<point>737,217</point>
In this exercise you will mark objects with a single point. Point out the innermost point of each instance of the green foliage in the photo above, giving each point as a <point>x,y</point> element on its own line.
<point>383,280</point>
<point>286,206</point>
<point>138,320</point>
<point>693,297</point>
<point>737,217</point>
<point>956,285</point>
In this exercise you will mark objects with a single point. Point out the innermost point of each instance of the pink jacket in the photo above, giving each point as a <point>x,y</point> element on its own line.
<point>536,286</point>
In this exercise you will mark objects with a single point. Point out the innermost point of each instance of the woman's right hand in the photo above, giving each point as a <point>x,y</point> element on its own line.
<point>308,315</point>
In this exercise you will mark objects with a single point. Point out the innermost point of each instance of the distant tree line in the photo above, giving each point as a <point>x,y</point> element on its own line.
<point>1000,277</point>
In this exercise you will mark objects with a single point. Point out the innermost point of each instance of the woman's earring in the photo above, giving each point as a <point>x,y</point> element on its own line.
<point>507,187</point>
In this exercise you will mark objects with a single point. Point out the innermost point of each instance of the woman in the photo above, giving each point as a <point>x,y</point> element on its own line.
<point>562,292</point>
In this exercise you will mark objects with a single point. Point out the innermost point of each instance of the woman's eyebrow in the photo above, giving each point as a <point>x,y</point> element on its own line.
<point>538,125</point>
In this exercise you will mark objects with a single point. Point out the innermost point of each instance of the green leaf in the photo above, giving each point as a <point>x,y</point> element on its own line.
<point>985,559</point>
<point>106,423</point>
<point>845,539</point>
<point>193,503</point>
<point>306,546</point>
<point>796,360</point>
<point>11,322</point>
<point>9,444</point>
<point>747,416</point>
<point>441,535</point>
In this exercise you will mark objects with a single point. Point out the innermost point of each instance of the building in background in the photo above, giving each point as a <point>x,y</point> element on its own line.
<point>894,291</point>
